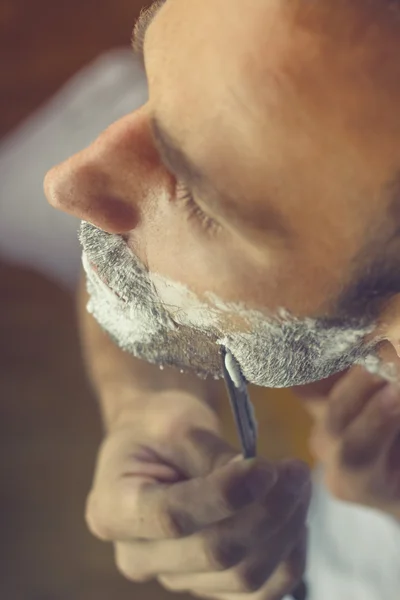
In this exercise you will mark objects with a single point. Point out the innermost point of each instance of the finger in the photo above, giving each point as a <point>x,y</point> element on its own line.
<point>370,434</point>
<point>287,579</point>
<point>391,468</point>
<point>393,456</point>
<point>216,548</point>
<point>314,396</point>
<point>132,509</point>
<point>349,397</point>
<point>252,574</point>
<point>293,485</point>
<point>141,561</point>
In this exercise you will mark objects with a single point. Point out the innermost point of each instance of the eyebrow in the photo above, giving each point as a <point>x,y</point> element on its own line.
<point>145,19</point>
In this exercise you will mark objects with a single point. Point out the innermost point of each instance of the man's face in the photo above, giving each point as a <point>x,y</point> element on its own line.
<point>263,168</point>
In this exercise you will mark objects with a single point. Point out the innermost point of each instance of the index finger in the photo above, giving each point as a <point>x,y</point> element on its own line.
<point>169,511</point>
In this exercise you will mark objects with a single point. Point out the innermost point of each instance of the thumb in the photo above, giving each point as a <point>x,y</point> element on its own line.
<point>165,511</point>
<point>202,452</point>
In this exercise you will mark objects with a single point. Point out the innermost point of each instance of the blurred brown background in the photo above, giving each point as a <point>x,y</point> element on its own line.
<point>49,425</point>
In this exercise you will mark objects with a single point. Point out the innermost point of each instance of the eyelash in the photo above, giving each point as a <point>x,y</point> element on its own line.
<point>193,210</point>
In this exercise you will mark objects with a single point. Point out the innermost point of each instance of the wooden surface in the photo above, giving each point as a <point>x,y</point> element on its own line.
<point>49,426</point>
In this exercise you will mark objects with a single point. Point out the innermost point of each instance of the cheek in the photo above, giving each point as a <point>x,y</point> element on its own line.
<point>179,250</point>
<point>267,276</point>
<point>174,247</point>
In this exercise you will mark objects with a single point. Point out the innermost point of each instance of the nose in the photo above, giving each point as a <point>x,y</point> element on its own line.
<point>108,183</point>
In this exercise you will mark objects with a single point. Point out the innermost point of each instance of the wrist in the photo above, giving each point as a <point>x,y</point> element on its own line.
<point>153,411</point>
<point>121,404</point>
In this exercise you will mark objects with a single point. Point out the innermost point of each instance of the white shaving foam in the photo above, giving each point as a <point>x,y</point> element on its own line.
<point>165,323</point>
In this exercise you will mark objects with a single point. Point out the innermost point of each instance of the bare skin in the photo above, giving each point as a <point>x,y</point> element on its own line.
<point>307,160</point>
<point>290,110</point>
<point>356,436</point>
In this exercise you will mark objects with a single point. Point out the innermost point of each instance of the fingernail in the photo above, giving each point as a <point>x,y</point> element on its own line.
<point>297,476</point>
<point>389,399</point>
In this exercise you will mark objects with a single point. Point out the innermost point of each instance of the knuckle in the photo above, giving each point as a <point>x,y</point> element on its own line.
<point>175,524</point>
<point>166,583</point>
<point>340,493</point>
<point>128,569</point>
<point>336,418</point>
<point>230,497</point>
<point>96,520</point>
<point>286,585</point>
<point>251,579</point>
<point>319,444</point>
<point>344,488</point>
<point>286,578</point>
<point>292,572</point>
<point>356,454</point>
<point>223,554</point>
<point>336,485</point>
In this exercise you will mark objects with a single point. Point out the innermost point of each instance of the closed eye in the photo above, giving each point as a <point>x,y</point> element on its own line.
<point>193,210</point>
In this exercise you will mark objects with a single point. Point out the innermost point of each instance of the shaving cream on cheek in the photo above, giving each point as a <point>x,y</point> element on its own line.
<point>184,306</point>
<point>163,322</point>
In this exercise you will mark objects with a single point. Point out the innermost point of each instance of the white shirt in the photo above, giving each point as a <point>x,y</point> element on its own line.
<point>354,552</point>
